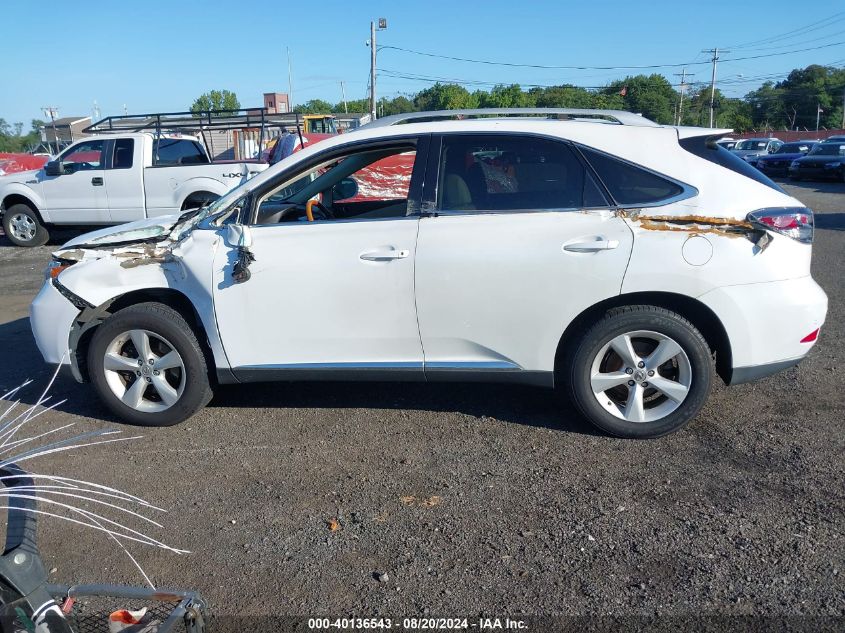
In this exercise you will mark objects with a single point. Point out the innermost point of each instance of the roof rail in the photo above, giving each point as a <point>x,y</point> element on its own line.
<point>619,117</point>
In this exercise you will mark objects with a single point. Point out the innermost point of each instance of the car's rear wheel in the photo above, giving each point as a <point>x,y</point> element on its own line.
<point>147,366</point>
<point>23,226</point>
<point>640,372</point>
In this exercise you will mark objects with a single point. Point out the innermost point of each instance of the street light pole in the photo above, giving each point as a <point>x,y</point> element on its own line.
<point>382,25</point>
<point>715,53</point>
<point>51,112</point>
<point>373,70</point>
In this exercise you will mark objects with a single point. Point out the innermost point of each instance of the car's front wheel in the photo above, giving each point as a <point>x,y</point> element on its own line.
<point>147,366</point>
<point>23,226</point>
<point>640,372</point>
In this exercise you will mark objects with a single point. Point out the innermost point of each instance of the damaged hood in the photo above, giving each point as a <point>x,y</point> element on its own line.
<point>150,241</point>
<point>141,230</point>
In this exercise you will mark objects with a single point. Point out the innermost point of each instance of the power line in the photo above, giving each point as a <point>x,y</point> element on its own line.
<point>802,30</point>
<point>640,67</point>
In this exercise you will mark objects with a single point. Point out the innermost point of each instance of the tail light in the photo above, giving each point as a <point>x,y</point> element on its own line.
<point>812,336</point>
<point>794,222</point>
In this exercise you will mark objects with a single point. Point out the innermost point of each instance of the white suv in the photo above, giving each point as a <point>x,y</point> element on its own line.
<point>592,250</point>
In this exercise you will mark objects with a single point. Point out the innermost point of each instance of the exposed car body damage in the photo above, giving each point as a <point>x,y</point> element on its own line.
<point>457,278</point>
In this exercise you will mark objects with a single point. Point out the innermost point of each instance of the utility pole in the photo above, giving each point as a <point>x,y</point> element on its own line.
<point>52,111</point>
<point>343,93</point>
<point>818,114</point>
<point>382,25</point>
<point>683,87</point>
<point>373,70</point>
<point>843,109</point>
<point>290,83</point>
<point>715,58</point>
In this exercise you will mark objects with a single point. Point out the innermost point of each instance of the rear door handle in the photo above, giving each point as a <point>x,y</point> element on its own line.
<point>591,246</point>
<point>97,181</point>
<point>384,255</point>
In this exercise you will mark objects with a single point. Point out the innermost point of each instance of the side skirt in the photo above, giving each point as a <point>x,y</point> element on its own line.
<point>378,372</point>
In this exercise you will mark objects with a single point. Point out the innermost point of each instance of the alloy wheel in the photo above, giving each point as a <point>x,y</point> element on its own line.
<point>23,227</point>
<point>144,371</point>
<point>641,376</point>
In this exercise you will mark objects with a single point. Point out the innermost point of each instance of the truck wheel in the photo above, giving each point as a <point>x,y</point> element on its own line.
<point>147,366</point>
<point>639,372</point>
<point>198,200</point>
<point>23,226</point>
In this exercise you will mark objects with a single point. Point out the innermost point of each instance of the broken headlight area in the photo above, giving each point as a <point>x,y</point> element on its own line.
<point>75,299</point>
<point>56,266</point>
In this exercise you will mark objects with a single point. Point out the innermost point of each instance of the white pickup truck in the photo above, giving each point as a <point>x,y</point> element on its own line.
<point>112,179</point>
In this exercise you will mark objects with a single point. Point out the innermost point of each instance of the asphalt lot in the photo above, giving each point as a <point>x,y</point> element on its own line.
<point>474,499</point>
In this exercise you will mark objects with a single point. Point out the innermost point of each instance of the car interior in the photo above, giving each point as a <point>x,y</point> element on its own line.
<point>490,176</point>
<point>367,185</point>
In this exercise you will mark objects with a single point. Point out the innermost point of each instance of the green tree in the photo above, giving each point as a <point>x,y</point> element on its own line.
<point>216,100</point>
<point>445,97</point>
<point>564,96</point>
<point>314,106</point>
<point>397,105</point>
<point>652,96</point>
<point>502,96</point>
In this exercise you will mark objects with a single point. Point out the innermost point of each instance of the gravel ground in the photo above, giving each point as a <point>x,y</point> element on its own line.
<point>468,499</point>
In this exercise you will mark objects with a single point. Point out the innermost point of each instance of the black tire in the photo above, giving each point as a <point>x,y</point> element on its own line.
<point>578,366</point>
<point>199,200</point>
<point>163,321</point>
<point>39,236</point>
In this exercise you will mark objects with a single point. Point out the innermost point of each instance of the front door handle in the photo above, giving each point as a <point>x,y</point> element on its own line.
<point>97,181</point>
<point>591,246</point>
<point>384,255</point>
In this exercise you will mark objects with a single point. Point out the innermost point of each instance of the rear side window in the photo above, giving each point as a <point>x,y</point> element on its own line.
<point>176,151</point>
<point>708,149</point>
<point>123,150</point>
<point>512,173</point>
<point>629,184</point>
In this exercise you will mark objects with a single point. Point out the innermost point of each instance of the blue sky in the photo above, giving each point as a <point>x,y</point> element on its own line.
<point>158,56</point>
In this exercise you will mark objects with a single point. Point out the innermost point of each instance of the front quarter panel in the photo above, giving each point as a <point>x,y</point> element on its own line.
<point>188,271</point>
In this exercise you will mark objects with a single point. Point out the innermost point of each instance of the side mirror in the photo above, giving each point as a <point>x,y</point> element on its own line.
<point>345,189</point>
<point>239,236</point>
<point>54,168</point>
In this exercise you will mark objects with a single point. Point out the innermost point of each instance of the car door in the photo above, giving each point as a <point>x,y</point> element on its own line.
<point>518,240</point>
<point>329,297</point>
<point>125,180</point>
<point>79,195</point>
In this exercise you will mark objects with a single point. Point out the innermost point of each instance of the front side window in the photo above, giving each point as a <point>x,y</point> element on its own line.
<point>84,156</point>
<point>629,184</point>
<point>177,151</point>
<point>365,185</point>
<point>512,173</point>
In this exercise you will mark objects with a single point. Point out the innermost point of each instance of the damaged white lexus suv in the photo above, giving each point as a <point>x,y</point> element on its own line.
<point>622,261</point>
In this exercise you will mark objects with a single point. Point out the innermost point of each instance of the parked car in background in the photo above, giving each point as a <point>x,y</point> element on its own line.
<point>824,162</point>
<point>11,163</point>
<point>777,164</point>
<point>542,247</point>
<point>102,180</point>
<point>750,149</point>
<point>727,142</point>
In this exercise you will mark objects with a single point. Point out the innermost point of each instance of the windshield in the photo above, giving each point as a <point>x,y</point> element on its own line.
<point>752,144</point>
<point>793,148</point>
<point>829,149</point>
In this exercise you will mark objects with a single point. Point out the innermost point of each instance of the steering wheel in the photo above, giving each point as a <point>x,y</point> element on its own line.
<point>322,210</point>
